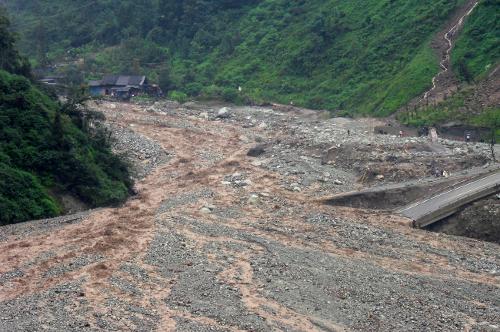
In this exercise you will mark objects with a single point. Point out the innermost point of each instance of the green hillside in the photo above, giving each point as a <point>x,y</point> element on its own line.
<point>45,147</point>
<point>368,56</point>
<point>478,48</point>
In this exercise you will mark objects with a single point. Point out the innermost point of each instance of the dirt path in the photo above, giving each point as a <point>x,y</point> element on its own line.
<point>220,241</point>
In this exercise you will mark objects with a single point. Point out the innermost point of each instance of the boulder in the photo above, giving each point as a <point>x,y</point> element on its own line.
<point>256,151</point>
<point>205,210</point>
<point>254,199</point>
<point>224,113</point>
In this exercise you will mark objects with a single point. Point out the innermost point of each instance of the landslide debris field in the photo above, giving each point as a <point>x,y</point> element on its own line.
<point>228,232</point>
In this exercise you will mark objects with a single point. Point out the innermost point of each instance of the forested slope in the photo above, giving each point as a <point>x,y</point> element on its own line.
<point>46,148</point>
<point>477,50</point>
<point>368,56</point>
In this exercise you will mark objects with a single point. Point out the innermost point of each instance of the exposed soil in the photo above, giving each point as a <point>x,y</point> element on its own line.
<point>479,220</point>
<point>480,95</point>
<point>393,196</point>
<point>217,240</point>
<point>445,82</point>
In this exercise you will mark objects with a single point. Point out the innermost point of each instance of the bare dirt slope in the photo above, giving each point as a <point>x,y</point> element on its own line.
<point>444,82</point>
<point>220,241</point>
<point>479,95</point>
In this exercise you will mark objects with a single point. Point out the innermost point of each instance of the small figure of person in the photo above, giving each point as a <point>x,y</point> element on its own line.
<point>467,137</point>
<point>401,133</point>
<point>437,172</point>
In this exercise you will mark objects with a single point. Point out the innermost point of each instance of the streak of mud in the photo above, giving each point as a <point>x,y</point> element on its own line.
<point>241,276</point>
<point>124,234</point>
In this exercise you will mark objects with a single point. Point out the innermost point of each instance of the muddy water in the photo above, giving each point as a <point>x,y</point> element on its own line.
<point>284,262</point>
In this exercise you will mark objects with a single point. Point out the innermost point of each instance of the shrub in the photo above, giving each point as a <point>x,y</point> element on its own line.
<point>178,96</point>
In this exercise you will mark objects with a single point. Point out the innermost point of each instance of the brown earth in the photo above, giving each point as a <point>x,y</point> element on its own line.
<point>219,241</point>
<point>480,95</point>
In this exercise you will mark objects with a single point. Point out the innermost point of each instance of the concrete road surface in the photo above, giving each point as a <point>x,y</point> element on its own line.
<point>431,210</point>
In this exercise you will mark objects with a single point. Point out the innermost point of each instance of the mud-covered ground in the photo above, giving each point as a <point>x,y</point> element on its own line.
<point>217,240</point>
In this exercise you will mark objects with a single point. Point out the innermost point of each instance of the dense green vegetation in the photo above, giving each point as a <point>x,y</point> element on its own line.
<point>478,48</point>
<point>46,147</point>
<point>9,57</point>
<point>368,56</point>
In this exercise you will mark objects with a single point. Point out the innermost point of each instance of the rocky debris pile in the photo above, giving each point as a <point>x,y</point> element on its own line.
<point>144,153</point>
<point>160,106</point>
<point>334,154</point>
<point>348,148</point>
<point>41,226</point>
<point>236,247</point>
<point>376,162</point>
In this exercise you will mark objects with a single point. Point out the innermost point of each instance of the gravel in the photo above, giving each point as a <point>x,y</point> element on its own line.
<point>318,284</point>
<point>61,308</point>
<point>145,155</point>
<point>21,230</point>
<point>265,255</point>
<point>74,264</point>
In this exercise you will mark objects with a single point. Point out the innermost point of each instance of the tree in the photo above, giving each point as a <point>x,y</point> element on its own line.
<point>491,119</point>
<point>10,60</point>
<point>76,108</point>
<point>165,80</point>
<point>464,71</point>
<point>42,47</point>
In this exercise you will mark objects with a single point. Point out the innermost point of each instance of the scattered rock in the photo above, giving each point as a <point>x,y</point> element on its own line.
<point>207,209</point>
<point>256,151</point>
<point>246,182</point>
<point>224,113</point>
<point>254,199</point>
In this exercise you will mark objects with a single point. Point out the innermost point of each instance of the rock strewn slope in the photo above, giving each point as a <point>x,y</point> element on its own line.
<point>220,241</point>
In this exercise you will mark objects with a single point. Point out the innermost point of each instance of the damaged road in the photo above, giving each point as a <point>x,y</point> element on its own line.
<point>227,233</point>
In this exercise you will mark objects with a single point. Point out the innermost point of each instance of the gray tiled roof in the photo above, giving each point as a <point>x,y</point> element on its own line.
<point>123,80</point>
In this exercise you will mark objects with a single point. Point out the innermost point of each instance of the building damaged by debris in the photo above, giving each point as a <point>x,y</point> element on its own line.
<point>123,87</point>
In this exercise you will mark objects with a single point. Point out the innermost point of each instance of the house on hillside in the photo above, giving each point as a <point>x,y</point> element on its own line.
<point>122,87</point>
